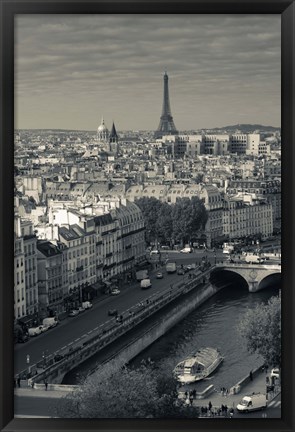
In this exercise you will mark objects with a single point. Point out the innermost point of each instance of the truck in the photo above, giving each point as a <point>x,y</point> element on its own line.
<point>141,274</point>
<point>251,258</point>
<point>253,402</point>
<point>171,267</point>
<point>86,305</point>
<point>50,322</point>
<point>145,283</point>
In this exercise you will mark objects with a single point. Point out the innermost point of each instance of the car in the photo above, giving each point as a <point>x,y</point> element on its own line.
<point>275,372</point>
<point>74,313</point>
<point>115,291</point>
<point>23,338</point>
<point>186,250</point>
<point>154,252</point>
<point>189,267</point>
<point>180,271</point>
<point>113,312</point>
<point>58,357</point>
<point>81,309</point>
<point>43,328</point>
<point>159,275</point>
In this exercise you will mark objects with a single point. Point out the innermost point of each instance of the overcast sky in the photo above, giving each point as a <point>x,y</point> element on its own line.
<point>70,70</point>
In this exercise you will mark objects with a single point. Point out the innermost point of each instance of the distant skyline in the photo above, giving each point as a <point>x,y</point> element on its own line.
<point>70,70</point>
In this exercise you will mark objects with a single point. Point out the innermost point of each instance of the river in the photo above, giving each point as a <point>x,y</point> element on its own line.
<point>213,324</point>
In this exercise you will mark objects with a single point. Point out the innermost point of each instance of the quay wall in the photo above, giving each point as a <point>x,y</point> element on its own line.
<point>160,327</point>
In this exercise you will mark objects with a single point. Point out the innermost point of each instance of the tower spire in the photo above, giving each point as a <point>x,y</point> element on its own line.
<point>166,125</point>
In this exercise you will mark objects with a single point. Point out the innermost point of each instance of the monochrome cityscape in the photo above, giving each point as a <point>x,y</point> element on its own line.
<point>147,262</point>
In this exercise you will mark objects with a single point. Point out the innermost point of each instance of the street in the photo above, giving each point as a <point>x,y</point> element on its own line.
<point>73,329</point>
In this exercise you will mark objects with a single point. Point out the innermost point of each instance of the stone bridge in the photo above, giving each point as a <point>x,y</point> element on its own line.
<point>254,274</point>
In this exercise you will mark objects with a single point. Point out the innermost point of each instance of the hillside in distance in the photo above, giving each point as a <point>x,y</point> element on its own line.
<point>247,128</point>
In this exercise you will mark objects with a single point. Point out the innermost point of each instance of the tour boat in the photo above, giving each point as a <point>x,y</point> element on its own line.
<point>198,366</point>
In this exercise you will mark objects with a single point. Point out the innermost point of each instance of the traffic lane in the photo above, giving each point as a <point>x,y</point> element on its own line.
<point>75,328</point>
<point>67,332</point>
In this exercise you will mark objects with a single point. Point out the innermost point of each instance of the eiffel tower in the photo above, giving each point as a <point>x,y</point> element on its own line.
<point>166,125</point>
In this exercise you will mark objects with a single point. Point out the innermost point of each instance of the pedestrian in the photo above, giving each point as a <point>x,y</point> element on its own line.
<point>191,399</point>
<point>251,376</point>
<point>46,385</point>
<point>210,405</point>
<point>32,384</point>
<point>194,393</point>
<point>267,380</point>
<point>186,394</point>
<point>18,382</point>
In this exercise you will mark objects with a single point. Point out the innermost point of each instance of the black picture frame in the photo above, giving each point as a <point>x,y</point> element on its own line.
<point>9,8</point>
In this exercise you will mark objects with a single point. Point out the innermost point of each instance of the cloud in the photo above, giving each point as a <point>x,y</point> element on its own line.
<point>119,59</point>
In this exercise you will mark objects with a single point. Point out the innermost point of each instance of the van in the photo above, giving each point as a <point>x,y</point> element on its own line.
<point>253,402</point>
<point>145,283</point>
<point>50,322</point>
<point>34,331</point>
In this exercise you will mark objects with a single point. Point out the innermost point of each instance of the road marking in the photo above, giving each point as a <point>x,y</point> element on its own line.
<point>84,335</point>
<point>89,332</point>
<point>76,340</point>
<point>70,343</point>
<point>95,328</point>
<point>63,347</point>
<point>274,404</point>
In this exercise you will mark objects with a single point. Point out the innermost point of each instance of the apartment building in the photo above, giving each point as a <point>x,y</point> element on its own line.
<point>245,215</point>
<point>50,278</point>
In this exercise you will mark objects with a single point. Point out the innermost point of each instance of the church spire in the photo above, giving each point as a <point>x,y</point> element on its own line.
<point>113,137</point>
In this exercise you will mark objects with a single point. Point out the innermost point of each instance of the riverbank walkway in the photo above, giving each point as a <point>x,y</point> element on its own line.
<point>218,398</point>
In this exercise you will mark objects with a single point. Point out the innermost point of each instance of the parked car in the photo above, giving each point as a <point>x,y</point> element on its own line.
<point>23,338</point>
<point>74,313</point>
<point>159,275</point>
<point>115,291</point>
<point>43,328</point>
<point>81,309</point>
<point>189,267</point>
<point>180,271</point>
<point>34,331</point>
<point>113,312</point>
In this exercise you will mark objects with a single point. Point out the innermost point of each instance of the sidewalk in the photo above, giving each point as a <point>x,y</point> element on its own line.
<point>39,393</point>
<point>258,385</point>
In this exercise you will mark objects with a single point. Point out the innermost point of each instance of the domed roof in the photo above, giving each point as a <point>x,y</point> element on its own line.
<point>102,127</point>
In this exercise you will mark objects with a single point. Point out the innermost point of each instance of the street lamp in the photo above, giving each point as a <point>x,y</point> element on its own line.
<point>44,359</point>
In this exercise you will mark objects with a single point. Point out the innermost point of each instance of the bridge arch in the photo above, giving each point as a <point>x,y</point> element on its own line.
<point>271,279</point>
<point>257,276</point>
<point>221,277</point>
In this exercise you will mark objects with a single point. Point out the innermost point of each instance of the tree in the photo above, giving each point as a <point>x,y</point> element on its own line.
<point>261,329</point>
<point>180,221</point>
<point>144,392</point>
<point>150,208</point>
<point>189,216</point>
